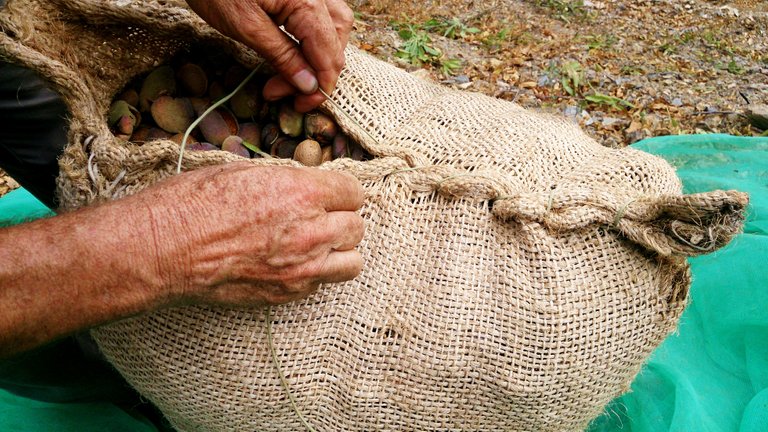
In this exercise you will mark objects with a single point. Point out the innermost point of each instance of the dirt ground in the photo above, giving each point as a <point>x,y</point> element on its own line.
<point>624,70</point>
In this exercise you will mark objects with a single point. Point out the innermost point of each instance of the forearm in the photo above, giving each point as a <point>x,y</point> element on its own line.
<point>71,272</point>
<point>232,234</point>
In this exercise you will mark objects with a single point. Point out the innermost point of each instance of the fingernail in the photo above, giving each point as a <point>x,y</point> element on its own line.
<point>305,81</point>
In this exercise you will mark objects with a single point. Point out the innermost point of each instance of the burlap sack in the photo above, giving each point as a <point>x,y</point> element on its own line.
<point>517,273</point>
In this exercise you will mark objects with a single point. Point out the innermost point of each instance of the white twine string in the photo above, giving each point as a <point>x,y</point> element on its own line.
<point>210,110</point>
<point>283,381</point>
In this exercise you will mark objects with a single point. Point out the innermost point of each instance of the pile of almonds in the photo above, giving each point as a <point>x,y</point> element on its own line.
<point>165,102</point>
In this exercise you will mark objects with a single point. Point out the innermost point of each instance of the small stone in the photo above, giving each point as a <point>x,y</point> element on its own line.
<point>757,115</point>
<point>728,11</point>
<point>571,111</point>
<point>677,102</point>
<point>635,136</point>
<point>461,79</point>
<point>503,86</point>
<point>610,121</point>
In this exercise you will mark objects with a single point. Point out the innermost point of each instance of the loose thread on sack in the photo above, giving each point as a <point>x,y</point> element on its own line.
<point>270,340</point>
<point>623,209</point>
<point>283,381</point>
<point>709,246</point>
<point>92,170</point>
<point>210,110</point>
<point>115,182</point>
<point>549,201</point>
<point>87,143</point>
<point>400,170</point>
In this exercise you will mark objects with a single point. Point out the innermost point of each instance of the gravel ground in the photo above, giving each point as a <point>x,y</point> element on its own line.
<point>624,70</point>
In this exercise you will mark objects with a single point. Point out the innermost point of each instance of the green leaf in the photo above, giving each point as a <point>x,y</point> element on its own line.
<point>250,146</point>
<point>566,86</point>
<point>405,33</point>
<point>255,149</point>
<point>431,50</point>
<point>432,24</point>
<point>450,66</point>
<point>612,101</point>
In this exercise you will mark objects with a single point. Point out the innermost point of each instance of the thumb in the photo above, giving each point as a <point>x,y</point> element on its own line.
<point>283,53</point>
<point>256,29</point>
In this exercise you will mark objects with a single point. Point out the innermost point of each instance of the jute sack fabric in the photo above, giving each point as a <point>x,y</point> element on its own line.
<point>517,274</point>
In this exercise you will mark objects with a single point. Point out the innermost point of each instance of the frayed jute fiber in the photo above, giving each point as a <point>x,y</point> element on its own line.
<point>517,274</point>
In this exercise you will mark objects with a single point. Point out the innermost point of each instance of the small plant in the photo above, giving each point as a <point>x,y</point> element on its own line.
<point>452,28</point>
<point>495,40</point>
<point>565,9</point>
<point>668,48</point>
<point>631,70</point>
<point>601,41</point>
<point>418,50</point>
<point>712,40</point>
<point>498,40</point>
<point>417,47</point>
<point>572,77</point>
<point>450,66</point>
<point>687,36</point>
<point>734,68</point>
<point>611,101</point>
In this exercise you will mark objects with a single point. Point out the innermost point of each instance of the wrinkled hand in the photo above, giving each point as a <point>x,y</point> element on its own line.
<point>321,26</point>
<point>237,234</point>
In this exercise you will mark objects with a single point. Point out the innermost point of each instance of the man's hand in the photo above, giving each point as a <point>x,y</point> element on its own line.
<point>232,234</point>
<point>238,234</point>
<point>321,26</point>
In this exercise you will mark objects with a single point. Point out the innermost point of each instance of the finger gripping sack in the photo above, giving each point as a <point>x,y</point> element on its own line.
<point>517,274</point>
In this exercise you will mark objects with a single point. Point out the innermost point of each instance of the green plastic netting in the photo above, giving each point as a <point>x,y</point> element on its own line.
<point>713,375</point>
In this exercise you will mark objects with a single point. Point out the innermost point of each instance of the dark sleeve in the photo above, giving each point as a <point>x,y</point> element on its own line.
<point>33,131</point>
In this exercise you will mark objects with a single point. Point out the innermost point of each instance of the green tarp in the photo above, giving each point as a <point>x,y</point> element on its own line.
<point>18,206</point>
<point>711,376</point>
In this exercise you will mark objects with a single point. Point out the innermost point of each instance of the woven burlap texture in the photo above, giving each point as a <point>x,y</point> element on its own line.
<point>517,274</point>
